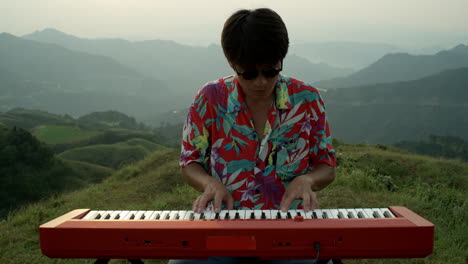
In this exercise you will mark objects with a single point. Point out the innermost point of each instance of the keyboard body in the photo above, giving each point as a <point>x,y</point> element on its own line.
<point>77,234</point>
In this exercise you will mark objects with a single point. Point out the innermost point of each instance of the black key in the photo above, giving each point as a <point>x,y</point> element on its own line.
<point>314,215</point>
<point>288,215</point>
<point>226,216</point>
<point>351,215</point>
<point>202,216</point>
<point>98,216</point>
<point>360,214</point>
<point>237,216</point>
<point>217,216</point>
<point>142,217</point>
<point>107,216</point>
<point>168,216</point>
<point>298,213</point>
<point>387,214</point>
<point>192,216</point>
<point>117,216</point>
<point>157,216</point>
<point>177,216</point>
<point>263,215</point>
<point>324,215</point>
<point>376,214</point>
<point>278,215</point>
<point>252,215</point>
<point>340,215</point>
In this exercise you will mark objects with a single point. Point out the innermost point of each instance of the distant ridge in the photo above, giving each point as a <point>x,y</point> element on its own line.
<point>402,67</point>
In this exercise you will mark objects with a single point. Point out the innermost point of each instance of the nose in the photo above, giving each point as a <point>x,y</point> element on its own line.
<point>260,80</point>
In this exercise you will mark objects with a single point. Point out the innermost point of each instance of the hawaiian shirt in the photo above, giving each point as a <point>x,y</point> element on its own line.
<point>219,134</point>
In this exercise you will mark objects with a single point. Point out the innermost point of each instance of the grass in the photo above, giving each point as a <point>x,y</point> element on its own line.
<point>56,134</point>
<point>368,176</point>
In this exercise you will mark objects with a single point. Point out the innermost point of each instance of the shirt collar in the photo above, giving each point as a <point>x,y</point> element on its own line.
<point>236,100</point>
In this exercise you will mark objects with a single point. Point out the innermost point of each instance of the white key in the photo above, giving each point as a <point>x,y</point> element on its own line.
<point>326,213</point>
<point>284,215</point>
<point>147,215</point>
<point>232,214</point>
<point>189,215</point>
<point>139,214</point>
<point>258,214</point>
<point>334,213</point>
<point>342,213</point>
<point>123,214</point>
<point>210,215</point>
<point>241,214</point>
<point>155,215</point>
<point>319,213</point>
<point>369,212</point>
<point>114,215</point>
<point>274,214</point>
<point>165,215</point>
<point>173,215</point>
<point>89,215</point>
<point>309,215</point>
<point>248,214</point>
<point>197,216</point>
<point>130,215</point>
<point>387,213</point>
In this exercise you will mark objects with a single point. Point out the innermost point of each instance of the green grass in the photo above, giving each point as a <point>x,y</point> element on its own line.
<point>113,156</point>
<point>56,134</point>
<point>368,176</point>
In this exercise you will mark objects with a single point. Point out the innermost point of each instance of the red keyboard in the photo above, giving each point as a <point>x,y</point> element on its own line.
<point>394,232</point>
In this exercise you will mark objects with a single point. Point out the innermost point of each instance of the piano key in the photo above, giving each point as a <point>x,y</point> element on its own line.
<point>106,215</point>
<point>221,214</point>
<point>369,212</point>
<point>309,215</point>
<point>155,215</point>
<point>293,213</point>
<point>139,214</point>
<point>164,215</point>
<point>319,213</point>
<point>352,213</point>
<point>199,216</point>
<point>376,213</point>
<point>115,215</point>
<point>130,215</point>
<point>258,214</point>
<point>189,215</point>
<point>342,213</point>
<point>387,213</point>
<point>173,215</point>
<point>334,213</point>
<point>146,215</point>
<point>241,214</point>
<point>249,214</point>
<point>232,214</point>
<point>123,214</point>
<point>326,213</point>
<point>266,214</point>
<point>274,214</point>
<point>90,215</point>
<point>284,215</point>
<point>300,212</point>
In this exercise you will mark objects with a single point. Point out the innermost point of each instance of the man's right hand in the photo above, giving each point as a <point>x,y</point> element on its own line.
<point>214,191</point>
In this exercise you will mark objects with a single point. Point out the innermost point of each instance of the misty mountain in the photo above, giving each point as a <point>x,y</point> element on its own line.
<point>185,68</point>
<point>52,78</point>
<point>403,67</point>
<point>352,55</point>
<point>411,110</point>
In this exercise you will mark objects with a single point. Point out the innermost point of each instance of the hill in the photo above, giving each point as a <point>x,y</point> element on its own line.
<point>413,110</point>
<point>402,67</point>
<point>113,156</point>
<point>55,79</point>
<point>368,176</point>
<point>185,67</point>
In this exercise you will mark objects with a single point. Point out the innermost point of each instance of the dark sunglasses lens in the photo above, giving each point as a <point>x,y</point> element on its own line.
<point>271,73</point>
<point>250,75</point>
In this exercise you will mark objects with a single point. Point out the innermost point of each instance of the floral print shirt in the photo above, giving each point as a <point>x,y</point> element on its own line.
<point>219,134</point>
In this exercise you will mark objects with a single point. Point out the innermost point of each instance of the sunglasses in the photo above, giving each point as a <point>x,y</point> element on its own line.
<point>251,75</point>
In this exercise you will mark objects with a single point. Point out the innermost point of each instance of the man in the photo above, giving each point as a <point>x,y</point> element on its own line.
<point>257,140</point>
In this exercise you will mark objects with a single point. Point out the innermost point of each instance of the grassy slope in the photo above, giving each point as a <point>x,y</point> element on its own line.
<point>368,176</point>
<point>56,134</point>
<point>113,155</point>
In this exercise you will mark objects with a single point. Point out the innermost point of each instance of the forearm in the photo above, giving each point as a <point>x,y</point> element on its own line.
<point>320,177</point>
<point>196,176</point>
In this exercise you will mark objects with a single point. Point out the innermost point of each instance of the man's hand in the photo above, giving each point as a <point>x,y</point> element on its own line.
<point>300,188</point>
<point>214,191</point>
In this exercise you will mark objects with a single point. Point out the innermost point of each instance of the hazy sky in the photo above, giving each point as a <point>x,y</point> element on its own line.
<point>400,22</point>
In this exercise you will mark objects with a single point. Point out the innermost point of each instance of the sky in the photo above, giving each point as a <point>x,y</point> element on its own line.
<point>407,23</point>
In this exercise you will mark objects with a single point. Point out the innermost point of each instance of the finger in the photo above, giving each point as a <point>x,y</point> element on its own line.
<point>195,204</point>
<point>315,203</point>
<point>203,203</point>
<point>217,203</point>
<point>286,202</point>
<point>230,202</point>
<point>306,202</point>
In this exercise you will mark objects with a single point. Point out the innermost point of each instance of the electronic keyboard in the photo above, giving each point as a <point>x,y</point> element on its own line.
<point>394,232</point>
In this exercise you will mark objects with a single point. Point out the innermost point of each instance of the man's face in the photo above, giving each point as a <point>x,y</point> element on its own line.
<point>258,83</point>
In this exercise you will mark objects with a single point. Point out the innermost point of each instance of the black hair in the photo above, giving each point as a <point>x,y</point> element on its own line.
<point>252,37</point>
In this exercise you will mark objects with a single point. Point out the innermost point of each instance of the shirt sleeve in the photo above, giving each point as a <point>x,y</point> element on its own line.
<point>322,151</point>
<point>195,137</point>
